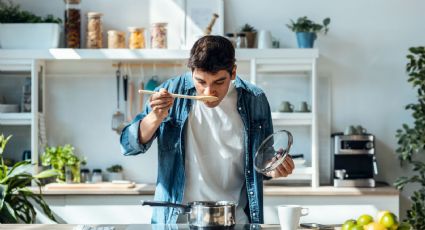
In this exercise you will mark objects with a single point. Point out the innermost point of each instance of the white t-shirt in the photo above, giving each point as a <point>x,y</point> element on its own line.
<point>214,163</point>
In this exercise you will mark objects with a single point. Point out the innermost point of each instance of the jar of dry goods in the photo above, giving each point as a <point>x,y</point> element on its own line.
<point>94,30</point>
<point>159,35</point>
<point>137,38</point>
<point>72,24</point>
<point>116,39</point>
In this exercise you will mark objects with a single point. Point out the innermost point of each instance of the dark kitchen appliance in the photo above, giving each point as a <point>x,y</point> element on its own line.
<point>354,161</point>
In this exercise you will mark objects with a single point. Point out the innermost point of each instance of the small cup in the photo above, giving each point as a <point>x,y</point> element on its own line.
<point>289,216</point>
<point>360,130</point>
<point>304,107</point>
<point>265,39</point>
<point>286,107</point>
<point>350,130</point>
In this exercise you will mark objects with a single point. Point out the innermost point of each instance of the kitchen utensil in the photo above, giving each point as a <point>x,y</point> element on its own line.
<point>141,86</point>
<point>289,216</point>
<point>204,214</point>
<point>117,117</point>
<point>273,151</point>
<point>201,98</point>
<point>130,96</point>
<point>124,123</point>
<point>152,83</point>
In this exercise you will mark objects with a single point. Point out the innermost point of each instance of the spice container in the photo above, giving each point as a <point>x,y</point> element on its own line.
<point>97,176</point>
<point>85,176</point>
<point>137,38</point>
<point>231,38</point>
<point>116,39</point>
<point>72,24</point>
<point>94,30</point>
<point>241,40</point>
<point>159,35</point>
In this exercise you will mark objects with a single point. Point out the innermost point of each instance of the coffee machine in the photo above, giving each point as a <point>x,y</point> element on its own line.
<point>354,161</point>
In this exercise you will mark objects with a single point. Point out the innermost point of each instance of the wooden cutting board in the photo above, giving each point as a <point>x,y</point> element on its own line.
<point>95,186</point>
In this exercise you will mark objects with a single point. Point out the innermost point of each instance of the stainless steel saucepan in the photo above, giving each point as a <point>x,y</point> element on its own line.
<point>204,214</point>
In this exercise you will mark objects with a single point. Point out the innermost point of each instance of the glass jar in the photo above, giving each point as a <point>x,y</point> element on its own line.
<point>159,36</point>
<point>85,176</point>
<point>116,39</point>
<point>94,30</point>
<point>72,25</point>
<point>231,38</point>
<point>241,40</point>
<point>136,39</point>
<point>96,176</point>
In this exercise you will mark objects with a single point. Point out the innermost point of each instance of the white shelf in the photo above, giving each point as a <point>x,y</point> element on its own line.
<point>149,54</point>
<point>15,118</point>
<point>290,119</point>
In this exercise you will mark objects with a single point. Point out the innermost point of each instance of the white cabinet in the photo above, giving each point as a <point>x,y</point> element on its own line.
<point>291,76</point>
<point>27,127</point>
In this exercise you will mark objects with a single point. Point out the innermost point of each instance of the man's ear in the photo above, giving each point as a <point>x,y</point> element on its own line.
<point>233,72</point>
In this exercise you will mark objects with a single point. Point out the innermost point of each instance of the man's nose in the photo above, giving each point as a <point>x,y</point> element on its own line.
<point>209,91</point>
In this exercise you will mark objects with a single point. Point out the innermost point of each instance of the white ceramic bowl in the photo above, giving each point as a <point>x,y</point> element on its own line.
<point>9,108</point>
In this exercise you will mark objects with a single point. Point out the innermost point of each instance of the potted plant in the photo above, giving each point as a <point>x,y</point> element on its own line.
<point>22,29</point>
<point>306,30</point>
<point>411,140</point>
<point>250,33</point>
<point>115,172</point>
<point>15,196</point>
<point>63,159</point>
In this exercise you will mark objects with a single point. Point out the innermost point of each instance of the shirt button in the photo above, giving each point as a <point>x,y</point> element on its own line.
<point>259,126</point>
<point>253,214</point>
<point>251,193</point>
<point>240,108</point>
<point>249,171</point>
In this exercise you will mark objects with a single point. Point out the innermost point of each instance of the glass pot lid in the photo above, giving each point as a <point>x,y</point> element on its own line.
<point>272,151</point>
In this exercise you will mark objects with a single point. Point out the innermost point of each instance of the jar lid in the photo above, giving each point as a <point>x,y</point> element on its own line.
<point>97,170</point>
<point>72,1</point>
<point>117,32</point>
<point>94,14</point>
<point>241,34</point>
<point>136,29</point>
<point>159,24</point>
<point>85,170</point>
<point>231,35</point>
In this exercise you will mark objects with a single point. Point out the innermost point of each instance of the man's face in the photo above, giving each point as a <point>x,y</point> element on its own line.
<point>208,84</point>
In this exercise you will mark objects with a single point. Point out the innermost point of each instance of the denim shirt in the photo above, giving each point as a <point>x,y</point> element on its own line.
<point>255,113</point>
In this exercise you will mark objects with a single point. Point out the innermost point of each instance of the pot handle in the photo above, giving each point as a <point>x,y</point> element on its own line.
<point>184,208</point>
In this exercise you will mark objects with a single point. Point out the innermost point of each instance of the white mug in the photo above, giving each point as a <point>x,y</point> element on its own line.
<point>289,216</point>
<point>264,39</point>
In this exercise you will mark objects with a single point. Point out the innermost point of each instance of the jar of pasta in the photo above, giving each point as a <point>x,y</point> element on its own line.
<point>159,35</point>
<point>94,30</point>
<point>137,38</point>
<point>72,24</point>
<point>116,39</point>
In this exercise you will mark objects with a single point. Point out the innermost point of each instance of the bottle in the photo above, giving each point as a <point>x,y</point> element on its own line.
<point>159,35</point>
<point>136,39</point>
<point>94,30</point>
<point>231,38</point>
<point>26,96</point>
<point>96,176</point>
<point>241,40</point>
<point>68,175</point>
<point>72,24</point>
<point>85,175</point>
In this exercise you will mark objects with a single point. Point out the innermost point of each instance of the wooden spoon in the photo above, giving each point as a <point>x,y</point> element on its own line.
<point>201,98</point>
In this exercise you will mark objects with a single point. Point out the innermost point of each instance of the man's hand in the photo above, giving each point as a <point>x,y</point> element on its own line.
<point>284,169</point>
<point>160,103</point>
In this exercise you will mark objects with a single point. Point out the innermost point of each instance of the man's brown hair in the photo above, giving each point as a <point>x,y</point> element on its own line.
<point>212,54</point>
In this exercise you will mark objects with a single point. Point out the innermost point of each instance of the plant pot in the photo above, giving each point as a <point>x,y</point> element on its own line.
<point>114,176</point>
<point>306,39</point>
<point>250,39</point>
<point>29,35</point>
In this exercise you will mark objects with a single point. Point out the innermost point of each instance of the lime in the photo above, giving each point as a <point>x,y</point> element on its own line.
<point>388,220</point>
<point>348,224</point>
<point>364,219</point>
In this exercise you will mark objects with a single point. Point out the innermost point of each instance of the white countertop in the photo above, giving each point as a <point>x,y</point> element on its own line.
<point>149,189</point>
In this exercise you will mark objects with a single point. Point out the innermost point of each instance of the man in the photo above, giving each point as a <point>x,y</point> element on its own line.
<point>206,149</point>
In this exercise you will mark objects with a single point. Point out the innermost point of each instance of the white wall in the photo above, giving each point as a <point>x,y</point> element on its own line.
<point>363,54</point>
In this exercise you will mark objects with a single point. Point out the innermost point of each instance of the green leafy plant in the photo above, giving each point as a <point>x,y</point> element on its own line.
<point>303,24</point>
<point>61,157</point>
<point>15,196</point>
<point>248,28</point>
<point>12,13</point>
<point>115,169</point>
<point>411,139</point>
